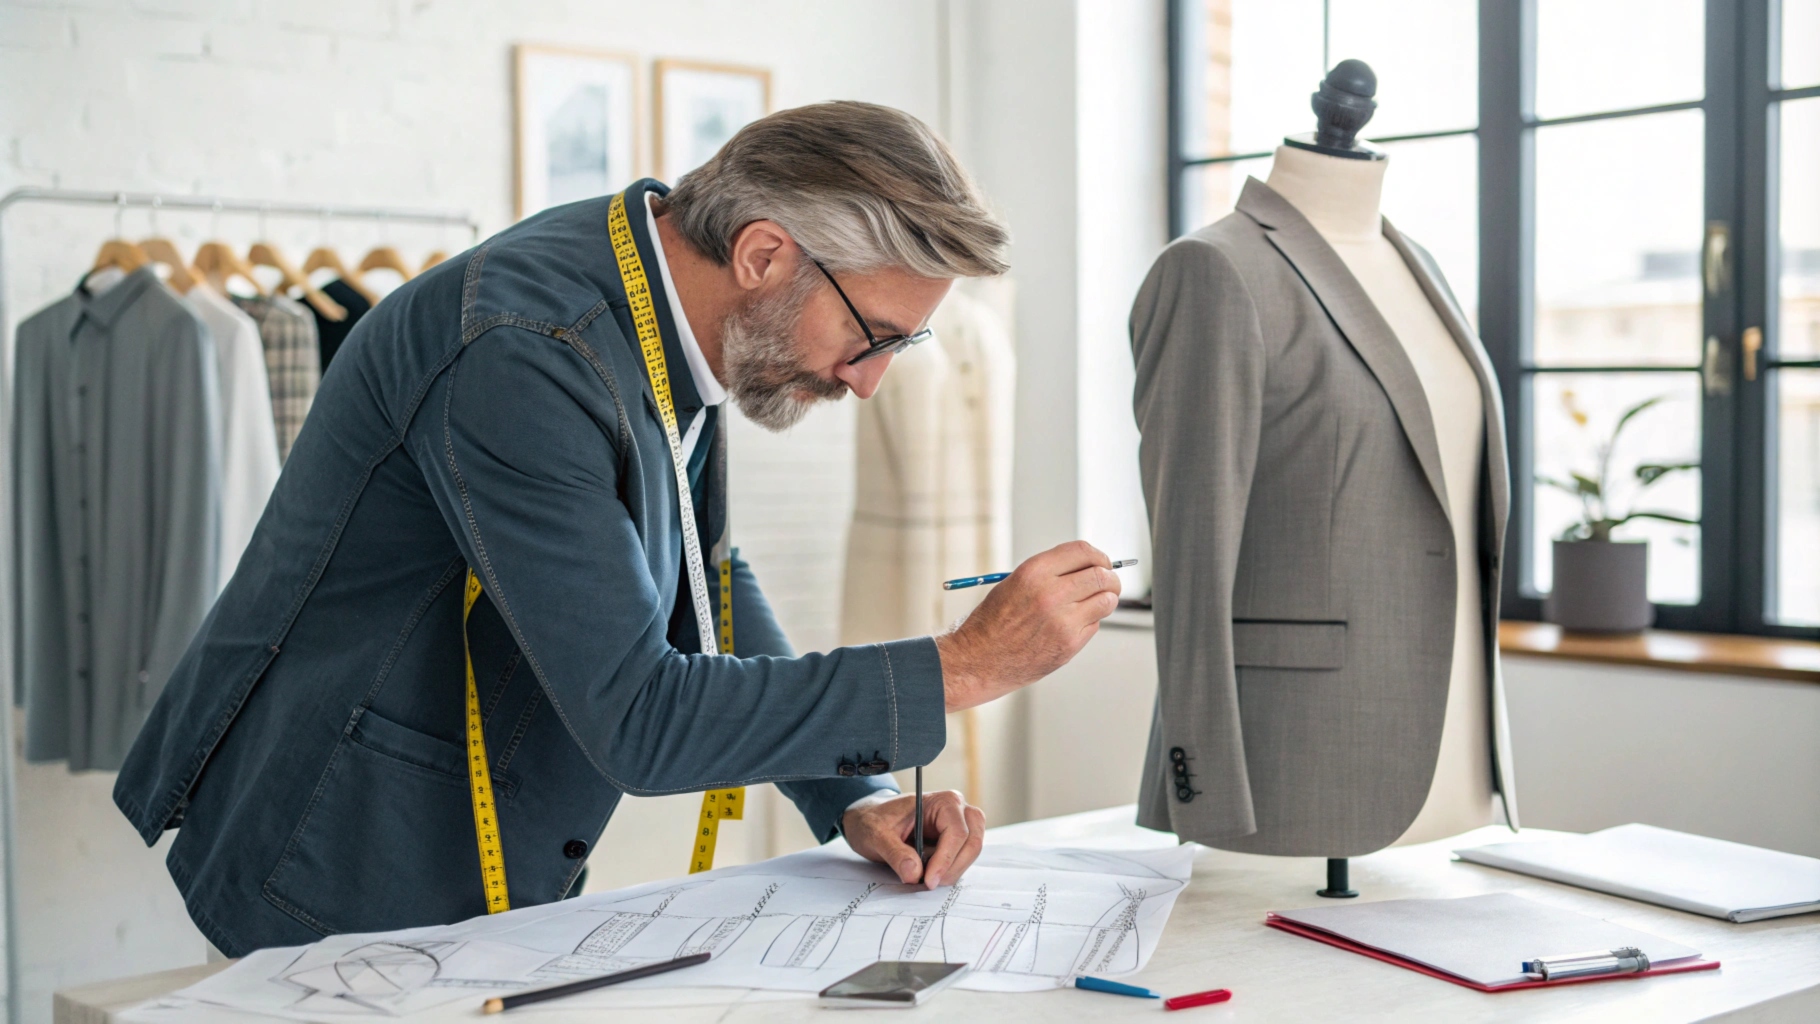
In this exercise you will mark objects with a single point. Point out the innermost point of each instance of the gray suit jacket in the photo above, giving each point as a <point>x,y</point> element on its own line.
<point>1305,583</point>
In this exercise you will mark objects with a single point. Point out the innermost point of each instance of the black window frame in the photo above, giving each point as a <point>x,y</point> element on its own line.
<point>1741,117</point>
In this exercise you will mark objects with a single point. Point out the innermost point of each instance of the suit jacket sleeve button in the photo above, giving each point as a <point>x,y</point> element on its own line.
<point>575,849</point>
<point>875,767</point>
<point>848,769</point>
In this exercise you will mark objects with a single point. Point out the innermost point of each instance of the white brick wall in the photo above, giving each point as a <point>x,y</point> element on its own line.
<point>400,102</point>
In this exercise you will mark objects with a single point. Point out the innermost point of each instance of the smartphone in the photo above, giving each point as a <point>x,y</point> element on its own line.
<point>891,983</point>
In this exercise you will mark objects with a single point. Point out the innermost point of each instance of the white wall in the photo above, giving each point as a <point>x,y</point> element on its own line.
<point>379,102</point>
<point>1724,756</point>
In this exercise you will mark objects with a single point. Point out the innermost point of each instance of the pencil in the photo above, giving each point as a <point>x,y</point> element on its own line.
<point>538,995</point>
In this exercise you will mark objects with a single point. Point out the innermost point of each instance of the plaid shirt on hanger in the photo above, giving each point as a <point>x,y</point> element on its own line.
<point>292,360</point>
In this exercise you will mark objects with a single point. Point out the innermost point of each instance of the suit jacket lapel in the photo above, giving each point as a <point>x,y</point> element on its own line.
<point>1441,297</point>
<point>1358,319</point>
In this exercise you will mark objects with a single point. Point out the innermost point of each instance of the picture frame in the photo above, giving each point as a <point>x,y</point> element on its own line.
<point>699,106</point>
<point>577,125</point>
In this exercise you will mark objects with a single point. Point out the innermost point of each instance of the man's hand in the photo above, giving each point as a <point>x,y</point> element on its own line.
<point>1030,625</point>
<point>952,833</point>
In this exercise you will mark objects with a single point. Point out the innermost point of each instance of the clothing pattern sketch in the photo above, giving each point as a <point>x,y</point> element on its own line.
<point>249,441</point>
<point>293,361</point>
<point>117,504</point>
<point>331,333</point>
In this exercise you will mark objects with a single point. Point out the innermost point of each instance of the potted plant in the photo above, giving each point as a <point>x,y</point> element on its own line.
<point>1602,585</point>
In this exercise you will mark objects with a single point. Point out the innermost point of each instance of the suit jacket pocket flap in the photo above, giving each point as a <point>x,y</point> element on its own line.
<point>1312,645</point>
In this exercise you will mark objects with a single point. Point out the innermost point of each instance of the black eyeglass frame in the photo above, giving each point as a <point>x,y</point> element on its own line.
<point>875,346</point>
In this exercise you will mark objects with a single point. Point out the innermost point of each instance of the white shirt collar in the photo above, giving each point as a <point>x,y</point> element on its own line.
<point>706,386</point>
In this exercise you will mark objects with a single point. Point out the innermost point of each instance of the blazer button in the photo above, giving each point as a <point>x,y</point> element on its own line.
<point>848,769</point>
<point>875,767</point>
<point>575,849</point>
<point>1184,794</point>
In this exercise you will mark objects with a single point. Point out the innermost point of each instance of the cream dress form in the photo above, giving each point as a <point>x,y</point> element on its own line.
<point>1339,196</point>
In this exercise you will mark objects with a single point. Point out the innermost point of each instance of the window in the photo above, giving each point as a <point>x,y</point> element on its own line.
<point>1624,194</point>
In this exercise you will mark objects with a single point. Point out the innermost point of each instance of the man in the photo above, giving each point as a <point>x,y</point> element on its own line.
<point>511,426</point>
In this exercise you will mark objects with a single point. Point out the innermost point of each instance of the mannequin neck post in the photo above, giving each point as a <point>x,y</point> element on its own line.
<point>1338,196</point>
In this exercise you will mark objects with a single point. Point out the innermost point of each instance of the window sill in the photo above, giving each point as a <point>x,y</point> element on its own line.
<point>1715,653</point>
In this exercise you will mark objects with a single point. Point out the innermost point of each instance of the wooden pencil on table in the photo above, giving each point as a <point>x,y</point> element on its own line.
<point>538,995</point>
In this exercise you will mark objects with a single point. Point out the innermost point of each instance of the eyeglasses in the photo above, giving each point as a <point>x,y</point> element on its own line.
<point>875,346</point>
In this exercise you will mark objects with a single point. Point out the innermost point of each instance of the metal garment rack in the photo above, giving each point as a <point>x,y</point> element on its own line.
<point>120,202</point>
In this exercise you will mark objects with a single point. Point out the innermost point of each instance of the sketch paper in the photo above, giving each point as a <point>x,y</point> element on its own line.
<point>1026,918</point>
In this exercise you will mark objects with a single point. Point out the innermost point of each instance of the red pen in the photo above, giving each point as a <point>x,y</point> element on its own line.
<point>1218,995</point>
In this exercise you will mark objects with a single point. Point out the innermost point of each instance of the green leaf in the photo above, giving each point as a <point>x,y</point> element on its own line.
<point>1663,516</point>
<point>1650,472</point>
<point>1550,481</point>
<point>1631,413</point>
<point>1586,485</point>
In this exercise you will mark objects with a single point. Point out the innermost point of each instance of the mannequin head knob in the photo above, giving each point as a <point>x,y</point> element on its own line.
<point>1344,103</point>
<point>1342,106</point>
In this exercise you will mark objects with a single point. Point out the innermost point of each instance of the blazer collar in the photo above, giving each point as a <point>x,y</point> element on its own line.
<point>1357,318</point>
<point>682,381</point>
<point>1441,297</point>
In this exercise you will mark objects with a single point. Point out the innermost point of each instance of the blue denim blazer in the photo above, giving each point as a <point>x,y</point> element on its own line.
<point>494,413</point>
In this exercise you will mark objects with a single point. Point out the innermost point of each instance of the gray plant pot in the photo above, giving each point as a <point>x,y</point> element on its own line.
<point>1600,587</point>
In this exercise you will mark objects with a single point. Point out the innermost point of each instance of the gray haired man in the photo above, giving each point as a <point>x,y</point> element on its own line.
<point>483,601</point>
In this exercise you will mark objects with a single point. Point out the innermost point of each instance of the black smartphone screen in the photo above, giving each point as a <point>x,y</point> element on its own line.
<point>891,981</point>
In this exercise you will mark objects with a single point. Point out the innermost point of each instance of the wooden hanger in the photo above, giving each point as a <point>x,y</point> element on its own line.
<point>120,253</point>
<point>217,261</point>
<point>432,259</point>
<point>324,258</point>
<point>384,257</point>
<point>265,254</point>
<point>164,251</point>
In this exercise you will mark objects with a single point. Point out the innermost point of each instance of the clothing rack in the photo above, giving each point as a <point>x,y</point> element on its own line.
<point>120,201</point>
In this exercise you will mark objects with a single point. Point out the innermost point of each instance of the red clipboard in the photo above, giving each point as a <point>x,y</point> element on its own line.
<point>1274,921</point>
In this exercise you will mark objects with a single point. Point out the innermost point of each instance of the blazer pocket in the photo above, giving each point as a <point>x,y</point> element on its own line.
<point>388,838</point>
<point>1304,645</point>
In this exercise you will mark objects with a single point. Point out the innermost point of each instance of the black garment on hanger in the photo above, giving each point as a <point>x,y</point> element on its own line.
<point>331,333</point>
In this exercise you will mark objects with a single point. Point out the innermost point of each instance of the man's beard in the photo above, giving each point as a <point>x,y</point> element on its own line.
<point>765,374</point>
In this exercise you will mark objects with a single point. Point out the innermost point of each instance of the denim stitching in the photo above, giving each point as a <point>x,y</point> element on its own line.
<point>890,697</point>
<point>518,731</point>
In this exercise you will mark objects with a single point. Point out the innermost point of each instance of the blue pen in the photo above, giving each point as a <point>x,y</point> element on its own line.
<point>1096,985</point>
<point>975,581</point>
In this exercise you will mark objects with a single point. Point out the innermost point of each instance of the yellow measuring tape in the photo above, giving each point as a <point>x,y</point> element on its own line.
<point>480,776</point>
<point>717,805</point>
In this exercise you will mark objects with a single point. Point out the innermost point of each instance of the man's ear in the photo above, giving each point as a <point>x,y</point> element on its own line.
<point>762,251</point>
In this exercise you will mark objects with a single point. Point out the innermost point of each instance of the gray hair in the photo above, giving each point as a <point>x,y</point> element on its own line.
<point>859,186</point>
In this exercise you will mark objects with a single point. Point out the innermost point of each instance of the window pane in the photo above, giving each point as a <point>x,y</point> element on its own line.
<point>1800,43</point>
<point>1574,415</point>
<point>1617,54</point>
<point>1248,70</point>
<point>1618,228</point>
<point>1208,191</point>
<point>1797,569</point>
<point>1431,193</point>
<point>1425,54</point>
<point>1798,316</point>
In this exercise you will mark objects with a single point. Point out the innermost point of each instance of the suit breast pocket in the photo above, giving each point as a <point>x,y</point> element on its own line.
<point>1288,644</point>
<point>388,840</point>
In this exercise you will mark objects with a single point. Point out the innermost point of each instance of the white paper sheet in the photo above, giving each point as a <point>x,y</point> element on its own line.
<point>1026,918</point>
<point>1698,874</point>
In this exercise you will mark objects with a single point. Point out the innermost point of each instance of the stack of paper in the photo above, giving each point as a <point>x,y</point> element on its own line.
<point>1478,941</point>
<point>1674,869</point>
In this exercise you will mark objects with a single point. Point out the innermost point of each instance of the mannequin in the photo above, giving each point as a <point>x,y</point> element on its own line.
<point>1340,196</point>
<point>1322,454</point>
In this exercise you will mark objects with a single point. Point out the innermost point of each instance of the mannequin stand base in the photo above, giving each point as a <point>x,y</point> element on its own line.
<point>1338,884</point>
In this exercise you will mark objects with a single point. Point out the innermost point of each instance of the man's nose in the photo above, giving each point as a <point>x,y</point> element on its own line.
<point>863,379</point>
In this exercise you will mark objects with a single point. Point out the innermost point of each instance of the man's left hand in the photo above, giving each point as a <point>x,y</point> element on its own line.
<point>952,833</point>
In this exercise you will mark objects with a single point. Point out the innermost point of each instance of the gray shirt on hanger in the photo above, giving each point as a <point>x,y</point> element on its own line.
<point>117,440</point>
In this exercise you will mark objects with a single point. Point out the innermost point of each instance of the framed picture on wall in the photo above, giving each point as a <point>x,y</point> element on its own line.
<point>576,125</point>
<point>700,106</point>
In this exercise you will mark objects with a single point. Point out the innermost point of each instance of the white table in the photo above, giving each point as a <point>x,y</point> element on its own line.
<point>1216,939</point>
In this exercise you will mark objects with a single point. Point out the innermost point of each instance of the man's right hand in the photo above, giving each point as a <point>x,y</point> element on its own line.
<point>1031,624</point>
